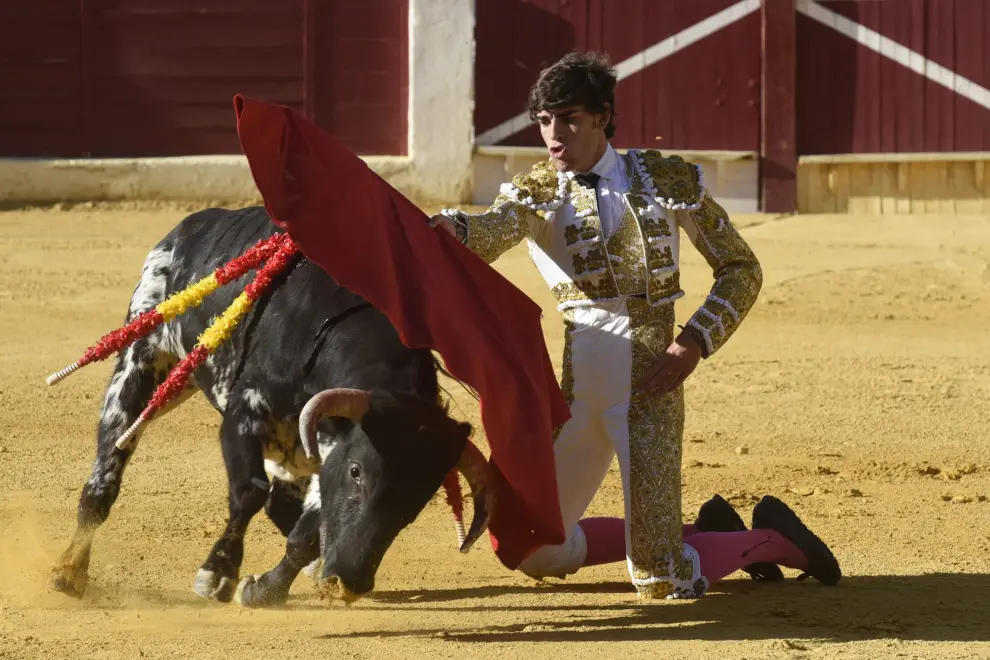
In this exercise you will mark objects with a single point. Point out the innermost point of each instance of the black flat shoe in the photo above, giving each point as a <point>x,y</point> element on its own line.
<point>717,515</point>
<point>771,513</point>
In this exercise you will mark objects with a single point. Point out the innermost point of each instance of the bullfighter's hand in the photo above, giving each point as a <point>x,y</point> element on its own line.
<point>672,368</point>
<point>443,221</point>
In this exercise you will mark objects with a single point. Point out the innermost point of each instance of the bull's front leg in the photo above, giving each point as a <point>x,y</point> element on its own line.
<point>301,549</point>
<point>243,433</point>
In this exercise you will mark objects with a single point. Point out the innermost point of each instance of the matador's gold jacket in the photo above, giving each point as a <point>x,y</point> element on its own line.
<point>581,267</point>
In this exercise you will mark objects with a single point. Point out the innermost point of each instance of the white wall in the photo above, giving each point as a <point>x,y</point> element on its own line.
<point>441,97</point>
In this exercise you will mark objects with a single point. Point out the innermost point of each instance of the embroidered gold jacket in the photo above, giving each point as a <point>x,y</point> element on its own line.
<point>581,266</point>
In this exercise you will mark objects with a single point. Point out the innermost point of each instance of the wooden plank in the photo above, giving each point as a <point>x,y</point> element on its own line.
<point>200,91</point>
<point>968,199</point>
<point>914,24</point>
<point>625,33</point>
<point>360,89</point>
<point>820,200</point>
<point>742,77</point>
<point>939,45</point>
<point>863,198</point>
<point>517,41</point>
<point>902,198</point>
<point>918,192</point>
<point>971,32</point>
<point>803,186</point>
<point>888,188</point>
<point>867,120</point>
<point>778,148</point>
<point>309,59</point>
<point>843,188</point>
<point>595,27</point>
<point>903,157</point>
<point>826,92</point>
<point>946,189</point>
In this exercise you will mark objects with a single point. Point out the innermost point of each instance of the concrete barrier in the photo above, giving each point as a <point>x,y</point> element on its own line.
<point>895,184</point>
<point>187,178</point>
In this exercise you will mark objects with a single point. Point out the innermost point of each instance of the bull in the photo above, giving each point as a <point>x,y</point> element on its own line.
<point>329,422</point>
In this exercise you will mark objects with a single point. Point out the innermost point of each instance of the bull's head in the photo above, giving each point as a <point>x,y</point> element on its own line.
<point>379,475</point>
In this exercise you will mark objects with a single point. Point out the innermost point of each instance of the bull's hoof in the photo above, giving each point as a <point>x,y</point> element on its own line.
<point>251,592</point>
<point>69,580</point>
<point>213,586</point>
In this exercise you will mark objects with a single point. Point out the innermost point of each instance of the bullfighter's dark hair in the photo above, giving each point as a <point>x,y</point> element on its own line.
<point>584,79</point>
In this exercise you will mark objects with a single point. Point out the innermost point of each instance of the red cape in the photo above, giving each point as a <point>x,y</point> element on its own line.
<point>437,294</point>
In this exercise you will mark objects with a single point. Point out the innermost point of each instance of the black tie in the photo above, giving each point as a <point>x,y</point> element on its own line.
<point>589,180</point>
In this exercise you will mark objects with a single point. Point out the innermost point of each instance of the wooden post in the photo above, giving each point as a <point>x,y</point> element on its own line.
<point>778,151</point>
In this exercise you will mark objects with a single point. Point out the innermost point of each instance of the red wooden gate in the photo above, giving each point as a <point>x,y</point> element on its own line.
<point>156,77</point>
<point>853,99</point>
<point>703,96</point>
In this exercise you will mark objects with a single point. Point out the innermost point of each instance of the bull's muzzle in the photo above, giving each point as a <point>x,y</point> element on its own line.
<point>353,404</point>
<point>331,587</point>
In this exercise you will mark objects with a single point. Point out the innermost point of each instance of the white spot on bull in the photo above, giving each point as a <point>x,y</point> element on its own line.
<point>255,400</point>
<point>208,584</point>
<point>113,415</point>
<point>150,289</point>
<point>220,389</point>
<point>276,471</point>
<point>251,427</point>
<point>312,501</point>
<point>325,449</point>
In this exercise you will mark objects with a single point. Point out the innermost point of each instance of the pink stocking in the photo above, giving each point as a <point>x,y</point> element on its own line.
<point>723,553</point>
<point>606,539</point>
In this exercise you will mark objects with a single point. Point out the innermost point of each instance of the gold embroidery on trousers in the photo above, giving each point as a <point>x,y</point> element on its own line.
<point>656,428</point>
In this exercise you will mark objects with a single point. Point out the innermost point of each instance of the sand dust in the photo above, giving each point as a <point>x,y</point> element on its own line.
<point>859,384</point>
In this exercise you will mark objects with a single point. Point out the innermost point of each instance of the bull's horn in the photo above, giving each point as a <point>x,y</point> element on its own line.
<point>338,402</point>
<point>478,473</point>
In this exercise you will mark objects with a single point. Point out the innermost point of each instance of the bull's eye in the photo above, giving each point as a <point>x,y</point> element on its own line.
<point>356,473</point>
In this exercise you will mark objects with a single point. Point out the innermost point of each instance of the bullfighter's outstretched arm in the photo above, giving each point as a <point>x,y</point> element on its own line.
<point>495,231</point>
<point>522,209</point>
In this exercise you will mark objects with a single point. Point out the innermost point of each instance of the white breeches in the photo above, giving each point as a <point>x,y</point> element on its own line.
<point>607,348</point>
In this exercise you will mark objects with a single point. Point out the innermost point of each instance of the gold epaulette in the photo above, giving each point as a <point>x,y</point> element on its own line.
<point>540,189</point>
<point>672,181</point>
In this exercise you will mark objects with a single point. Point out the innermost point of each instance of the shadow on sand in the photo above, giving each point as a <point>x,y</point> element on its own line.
<point>933,607</point>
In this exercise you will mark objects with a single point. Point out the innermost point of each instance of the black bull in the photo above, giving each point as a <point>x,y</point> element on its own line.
<point>315,390</point>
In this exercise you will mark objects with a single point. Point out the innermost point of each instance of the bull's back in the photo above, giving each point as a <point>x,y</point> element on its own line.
<point>207,239</point>
<point>277,339</point>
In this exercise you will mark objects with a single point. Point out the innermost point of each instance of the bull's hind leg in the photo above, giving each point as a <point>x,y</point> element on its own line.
<point>245,428</point>
<point>139,370</point>
<point>301,549</point>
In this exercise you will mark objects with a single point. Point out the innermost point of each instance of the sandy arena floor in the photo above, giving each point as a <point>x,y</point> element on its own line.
<point>860,384</point>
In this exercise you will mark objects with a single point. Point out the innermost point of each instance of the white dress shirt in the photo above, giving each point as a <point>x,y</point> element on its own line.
<point>611,186</point>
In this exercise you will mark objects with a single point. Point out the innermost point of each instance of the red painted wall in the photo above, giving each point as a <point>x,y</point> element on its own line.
<point>853,100</point>
<point>133,78</point>
<point>706,96</point>
<point>40,80</point>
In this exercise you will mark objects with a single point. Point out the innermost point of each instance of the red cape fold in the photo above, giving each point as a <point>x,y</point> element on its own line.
<point>437,294</point>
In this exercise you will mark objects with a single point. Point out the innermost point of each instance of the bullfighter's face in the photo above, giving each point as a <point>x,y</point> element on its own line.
<point>575,138</point>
